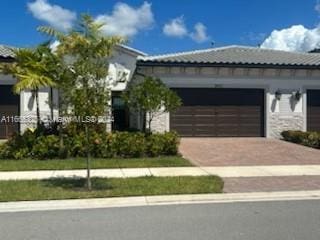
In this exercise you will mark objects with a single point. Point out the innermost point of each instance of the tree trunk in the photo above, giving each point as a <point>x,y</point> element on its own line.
<point>51,104</point>
<point>144,122</point>
<point>149,122</point>
<point>60,124</point>
<point>38,107</point>
<point>89,186</point>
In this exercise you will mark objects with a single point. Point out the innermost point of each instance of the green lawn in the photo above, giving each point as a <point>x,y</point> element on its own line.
<point>113,187</point>
<point>80,163</point>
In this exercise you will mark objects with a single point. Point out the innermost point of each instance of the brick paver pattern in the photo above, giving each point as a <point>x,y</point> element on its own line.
<point>271,184</point>
<point>246,152</point>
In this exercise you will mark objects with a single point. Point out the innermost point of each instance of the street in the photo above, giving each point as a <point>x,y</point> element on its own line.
<point>248,221</point>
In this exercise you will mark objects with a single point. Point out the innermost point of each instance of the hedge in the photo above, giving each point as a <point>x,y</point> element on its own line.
<point>310,139</point>
<point>106,145</point>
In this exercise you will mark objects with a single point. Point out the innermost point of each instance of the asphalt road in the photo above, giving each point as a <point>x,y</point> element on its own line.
<point>248,221</point>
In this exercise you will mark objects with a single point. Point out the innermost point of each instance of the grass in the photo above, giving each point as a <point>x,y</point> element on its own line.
<point>80,163</point>
<point>53,189</point>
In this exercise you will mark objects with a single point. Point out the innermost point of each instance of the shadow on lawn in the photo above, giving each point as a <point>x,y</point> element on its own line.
<point>98,184</point>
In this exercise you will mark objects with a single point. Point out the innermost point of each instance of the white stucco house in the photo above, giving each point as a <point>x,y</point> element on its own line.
<point>232,91</point>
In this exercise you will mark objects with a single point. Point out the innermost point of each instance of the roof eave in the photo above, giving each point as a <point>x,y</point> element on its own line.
<point>240,65</point>
<point>6,59</point>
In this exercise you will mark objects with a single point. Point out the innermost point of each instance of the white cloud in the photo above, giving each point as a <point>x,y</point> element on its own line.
<point>54,46</point>
<point>200,33</point>
<point>127,21</point>
<point>175,28</point>
<point>296,38</point>
<point>54,15</point>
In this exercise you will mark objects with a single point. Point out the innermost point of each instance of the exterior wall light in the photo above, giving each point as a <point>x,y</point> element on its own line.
<point>296,95</point>
<point>278,95</point>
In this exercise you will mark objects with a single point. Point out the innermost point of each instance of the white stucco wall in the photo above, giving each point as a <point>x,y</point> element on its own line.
<point>28,107</point>
<point>279,115</point>
<point>28,104</point>
<point>122,63</point>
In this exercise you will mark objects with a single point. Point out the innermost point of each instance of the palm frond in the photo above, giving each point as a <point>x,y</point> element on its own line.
<point>50,31</point>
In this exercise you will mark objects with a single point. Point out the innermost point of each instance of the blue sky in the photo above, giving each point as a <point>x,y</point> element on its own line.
<point>161,26</point>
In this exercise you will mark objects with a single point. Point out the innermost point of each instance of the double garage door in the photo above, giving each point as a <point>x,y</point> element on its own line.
<point>219,112</point>
<point>9,108</point>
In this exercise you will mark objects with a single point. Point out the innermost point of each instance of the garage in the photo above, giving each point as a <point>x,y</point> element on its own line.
<point>313,110</point>
<point>219,112</point>
<point>9,108</point>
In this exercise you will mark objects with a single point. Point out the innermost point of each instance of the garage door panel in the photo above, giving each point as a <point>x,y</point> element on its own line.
<point>223,113</point>
<point>182,120</point>
<point>313,110</point>
<point>204,121</point>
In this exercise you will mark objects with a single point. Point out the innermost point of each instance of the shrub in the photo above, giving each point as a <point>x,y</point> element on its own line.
<point>21,153</point>
<point>5,151</point>
<point>46,147</point>
<point>125,144</point>
<point>310,139</point>
<point>294,136</point>
<point>102,145</point>
<point>76,144</point>
<point>162,144</point>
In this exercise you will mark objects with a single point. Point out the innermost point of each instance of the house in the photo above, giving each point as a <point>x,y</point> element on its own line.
<point>232,91</point>
<point>121,68</point>
<point>238,91</point>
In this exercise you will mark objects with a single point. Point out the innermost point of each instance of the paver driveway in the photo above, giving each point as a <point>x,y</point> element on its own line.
<point>246,151</point>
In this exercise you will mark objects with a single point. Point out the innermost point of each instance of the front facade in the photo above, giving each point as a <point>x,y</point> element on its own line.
<point>122,65</point>
<point>226,92</point>
<point>238,91</point>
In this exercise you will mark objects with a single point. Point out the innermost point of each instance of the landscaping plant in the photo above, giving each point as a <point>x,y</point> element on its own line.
<point>85,89</point>
<point>151,97</point>
<point>34,69</point>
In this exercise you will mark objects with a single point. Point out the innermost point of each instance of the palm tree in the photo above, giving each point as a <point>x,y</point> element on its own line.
<point>30,70</point>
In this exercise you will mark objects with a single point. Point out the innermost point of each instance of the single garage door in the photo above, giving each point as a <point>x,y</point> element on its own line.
<point>313,110</point>
<point>219,112</point>
<point>9,108</point>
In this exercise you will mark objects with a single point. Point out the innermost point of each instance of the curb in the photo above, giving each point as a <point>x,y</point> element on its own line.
<point>29,206</point>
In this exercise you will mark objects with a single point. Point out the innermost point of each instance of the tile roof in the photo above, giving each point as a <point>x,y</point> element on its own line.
<point>236,55</point>
<point>133,50</point>
<point>6,52</point>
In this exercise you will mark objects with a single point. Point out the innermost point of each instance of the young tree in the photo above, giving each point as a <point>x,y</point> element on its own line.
<point>32,70</point>
<point>85,88</point>
<point>151,97</point>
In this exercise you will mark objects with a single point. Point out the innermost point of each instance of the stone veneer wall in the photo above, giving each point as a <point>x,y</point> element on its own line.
<point>279,123</point>
<point>160,123</point>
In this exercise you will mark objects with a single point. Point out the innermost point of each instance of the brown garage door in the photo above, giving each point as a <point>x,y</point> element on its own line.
<point>9,108</point>
<point>219,112</point>
<point>313,110</point>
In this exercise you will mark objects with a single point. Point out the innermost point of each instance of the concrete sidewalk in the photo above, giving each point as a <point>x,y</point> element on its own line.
<point>224,172</point>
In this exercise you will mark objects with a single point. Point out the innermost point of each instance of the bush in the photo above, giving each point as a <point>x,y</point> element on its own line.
<point>102,145</point>
<point>46,147</point>
<point>310,139</point>
<point>294,136</point>
<point>125,144</point>
<point>5,151</point>
<point>162,144</point>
